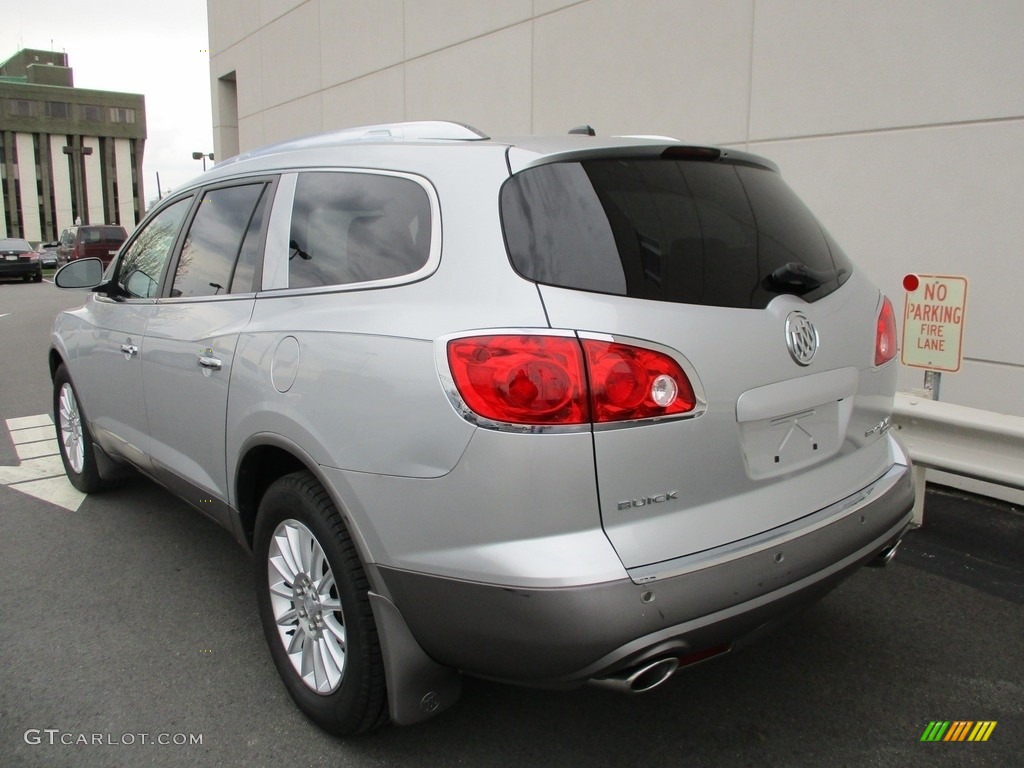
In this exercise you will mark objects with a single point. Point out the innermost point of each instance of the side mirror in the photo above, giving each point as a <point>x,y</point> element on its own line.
<point>82,273</point>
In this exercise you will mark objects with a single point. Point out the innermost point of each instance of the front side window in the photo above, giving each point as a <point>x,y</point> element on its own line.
<point>685,231</point>
<point>142,264</point>
<point>221,230</point>
<point>356,227</point>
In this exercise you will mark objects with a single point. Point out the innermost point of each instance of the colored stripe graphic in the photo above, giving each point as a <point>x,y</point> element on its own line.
<point>982,731</point>
<point>958,730</point>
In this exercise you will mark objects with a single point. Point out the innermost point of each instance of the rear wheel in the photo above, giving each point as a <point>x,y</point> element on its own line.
<point>73,436</point>
<point>312,594</point>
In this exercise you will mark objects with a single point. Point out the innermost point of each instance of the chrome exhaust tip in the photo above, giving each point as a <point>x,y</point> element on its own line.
<point>884,557</point>
<point>640,679</point>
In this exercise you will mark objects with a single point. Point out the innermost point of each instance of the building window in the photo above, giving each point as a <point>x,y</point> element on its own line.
<point>91,112</point>
<point>21,108</point>
<point>122,115</point>
<point>60,109</point>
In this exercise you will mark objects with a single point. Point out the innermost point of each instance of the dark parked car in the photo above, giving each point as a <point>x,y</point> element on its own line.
<point>19,259</point>
<point>100,240</point>
<point>48,257</point>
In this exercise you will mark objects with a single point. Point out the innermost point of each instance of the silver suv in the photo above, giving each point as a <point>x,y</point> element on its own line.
<point>543,410</point>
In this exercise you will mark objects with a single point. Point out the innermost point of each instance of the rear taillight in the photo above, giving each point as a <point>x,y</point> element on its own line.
<point>629,382</point>
<point>559,380</point>
<point>521,379</point>
<point>885,333</point>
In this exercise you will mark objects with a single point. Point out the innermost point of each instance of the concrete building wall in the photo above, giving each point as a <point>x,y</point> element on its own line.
<point>27,186</point>
<point>61,186</point>
<point>93,181</point>
<point>123,170</point>
<point>899,123</point>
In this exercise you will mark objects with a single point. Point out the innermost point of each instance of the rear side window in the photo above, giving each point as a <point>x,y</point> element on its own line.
<point>356,227</point>
<point>102,234</point>
<point>685,231</point>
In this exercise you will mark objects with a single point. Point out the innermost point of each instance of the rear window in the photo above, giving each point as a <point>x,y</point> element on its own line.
<point>102,234</point>
<point>685,231</point>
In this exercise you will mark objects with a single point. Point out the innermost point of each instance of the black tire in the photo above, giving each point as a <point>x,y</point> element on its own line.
<point>73,435</point>
<point>296,505</point>
<point>38,278</point>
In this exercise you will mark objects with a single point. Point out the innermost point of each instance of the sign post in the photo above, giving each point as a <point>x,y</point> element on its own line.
<point>933,325</point>
<point>933,339</point>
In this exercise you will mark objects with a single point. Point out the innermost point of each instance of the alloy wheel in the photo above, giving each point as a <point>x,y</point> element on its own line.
<point>306,605</point>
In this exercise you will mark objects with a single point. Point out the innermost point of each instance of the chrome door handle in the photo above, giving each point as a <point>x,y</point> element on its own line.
<point>211,363</point>
<point>129,350</point>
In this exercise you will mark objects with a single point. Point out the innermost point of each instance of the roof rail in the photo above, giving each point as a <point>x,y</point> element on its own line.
<point>415,130</point>
<point>422,130</point>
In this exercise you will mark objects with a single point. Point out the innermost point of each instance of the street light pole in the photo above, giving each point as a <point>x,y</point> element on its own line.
<point>202,156</point>
<point>77,155</point>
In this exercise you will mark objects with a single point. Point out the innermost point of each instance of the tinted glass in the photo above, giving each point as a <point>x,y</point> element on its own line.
<point>142,265</point>
<point>102,234</point>
<point>214,241</point>
<point>244,279</point>
<point>356,227</point>
<point>692,232</point>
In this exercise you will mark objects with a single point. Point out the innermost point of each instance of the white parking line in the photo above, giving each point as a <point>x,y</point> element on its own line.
<point>40,472</point>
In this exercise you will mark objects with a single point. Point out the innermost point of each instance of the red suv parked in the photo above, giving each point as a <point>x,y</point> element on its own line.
<point>101,241</point>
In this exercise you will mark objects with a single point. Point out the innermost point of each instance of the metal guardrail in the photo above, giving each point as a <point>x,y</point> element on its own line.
<point>969,442</point>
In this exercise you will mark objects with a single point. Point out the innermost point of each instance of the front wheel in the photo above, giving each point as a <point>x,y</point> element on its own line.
<point>73,436</point>
<point>312,595</point>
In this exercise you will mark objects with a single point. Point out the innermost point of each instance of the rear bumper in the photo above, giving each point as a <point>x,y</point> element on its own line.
<point>562,637</point>
<point>20,268</point>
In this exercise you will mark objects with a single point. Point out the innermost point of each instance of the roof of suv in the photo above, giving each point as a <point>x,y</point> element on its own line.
<point>523,151</point>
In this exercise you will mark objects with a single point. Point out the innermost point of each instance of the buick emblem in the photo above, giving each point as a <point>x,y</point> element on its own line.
<point>801,338</point>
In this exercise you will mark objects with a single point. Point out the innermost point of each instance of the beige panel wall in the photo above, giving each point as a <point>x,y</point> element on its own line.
<point>486,83</point>
<point>359,39</point>
<point>61,186</point>
<point>94,182</point>
<point>899,123</point>
<point>629,67</point>
<point>431,25</point>
<point>30,225</point>
<point>376,98</point>
<point>126,202</point>
<point>856,65</point>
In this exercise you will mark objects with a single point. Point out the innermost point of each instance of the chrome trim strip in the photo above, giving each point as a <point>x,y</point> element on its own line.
<point>772,538</point>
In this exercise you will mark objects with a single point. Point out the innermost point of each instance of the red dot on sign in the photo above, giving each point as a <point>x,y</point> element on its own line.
<point>910,283</point>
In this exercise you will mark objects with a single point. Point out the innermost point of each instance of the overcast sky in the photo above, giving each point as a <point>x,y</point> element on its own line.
<point>156,49</point>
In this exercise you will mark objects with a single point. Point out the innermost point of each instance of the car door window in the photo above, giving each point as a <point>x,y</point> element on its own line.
<point>142,265</point>
<point>224,232</point>
<point>356,227</point>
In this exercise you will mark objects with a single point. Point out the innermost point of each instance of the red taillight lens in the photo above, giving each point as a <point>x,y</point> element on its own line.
<point>630,382</point>
<point>521,379</point>
<point>542,380</point>
<point>885,333</point>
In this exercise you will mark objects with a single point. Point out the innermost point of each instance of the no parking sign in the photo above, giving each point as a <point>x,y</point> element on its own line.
<point>933,322</point>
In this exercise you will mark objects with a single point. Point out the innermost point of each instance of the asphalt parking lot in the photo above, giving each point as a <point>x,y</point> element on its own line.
<point>128,620</point>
